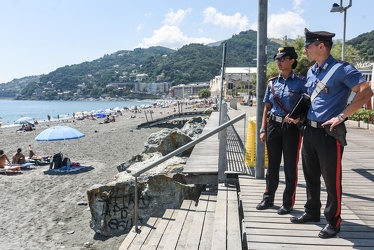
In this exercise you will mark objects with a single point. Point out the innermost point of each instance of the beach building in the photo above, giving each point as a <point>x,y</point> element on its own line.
<point>234,77</point>
<point>187,91</point>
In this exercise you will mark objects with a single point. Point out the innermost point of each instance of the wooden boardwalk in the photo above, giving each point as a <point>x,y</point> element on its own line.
<point>268,230</point>
<point>197,227</point>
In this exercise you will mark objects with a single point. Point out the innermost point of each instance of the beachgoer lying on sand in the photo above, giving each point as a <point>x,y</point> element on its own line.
<point>33,156</point>
<point>18,158</point>
<point>4,159</point>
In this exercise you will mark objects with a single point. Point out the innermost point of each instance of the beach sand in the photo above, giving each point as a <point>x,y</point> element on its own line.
<point>40,211</point>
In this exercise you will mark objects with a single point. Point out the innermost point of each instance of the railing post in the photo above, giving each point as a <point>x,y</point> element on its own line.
<point>222,157</point>
<point>136,207</point>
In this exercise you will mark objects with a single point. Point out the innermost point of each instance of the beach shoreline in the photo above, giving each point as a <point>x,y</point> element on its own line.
<point>41,211</point>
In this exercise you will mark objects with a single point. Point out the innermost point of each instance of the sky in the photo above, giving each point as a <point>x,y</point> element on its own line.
<point>39,36</point>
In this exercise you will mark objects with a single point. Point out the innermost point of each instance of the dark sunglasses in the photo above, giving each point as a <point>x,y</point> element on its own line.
<point>282,59</point>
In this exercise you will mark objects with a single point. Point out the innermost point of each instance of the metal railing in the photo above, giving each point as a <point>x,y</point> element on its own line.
<point>178,151</point>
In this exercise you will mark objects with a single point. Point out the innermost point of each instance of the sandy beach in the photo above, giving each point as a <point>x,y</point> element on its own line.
<point>40,211</point>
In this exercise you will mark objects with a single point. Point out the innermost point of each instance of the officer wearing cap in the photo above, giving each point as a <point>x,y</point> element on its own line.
<point>329,83</point>
<point>281,137</point>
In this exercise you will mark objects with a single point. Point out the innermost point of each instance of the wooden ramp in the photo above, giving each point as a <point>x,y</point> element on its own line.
<point>212,223</point>
<point>268,230</point>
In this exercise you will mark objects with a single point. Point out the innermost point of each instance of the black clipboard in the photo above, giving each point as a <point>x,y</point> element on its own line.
<point>301,106</point>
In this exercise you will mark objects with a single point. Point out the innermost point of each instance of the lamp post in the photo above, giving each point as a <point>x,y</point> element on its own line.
<point>339,8</point>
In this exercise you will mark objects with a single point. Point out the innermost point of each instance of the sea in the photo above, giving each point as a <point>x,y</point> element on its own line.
<point>12,110</point>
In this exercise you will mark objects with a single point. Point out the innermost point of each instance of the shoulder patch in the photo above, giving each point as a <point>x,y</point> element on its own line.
<point>272,78</point>
<point>300,77</point>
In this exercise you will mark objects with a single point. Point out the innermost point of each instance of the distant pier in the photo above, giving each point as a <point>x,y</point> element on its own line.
<point>182,116</point>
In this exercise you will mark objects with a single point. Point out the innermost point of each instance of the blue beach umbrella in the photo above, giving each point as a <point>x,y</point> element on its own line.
<point>101,115</point>
<point>23,120</point>
<point>59,133</point>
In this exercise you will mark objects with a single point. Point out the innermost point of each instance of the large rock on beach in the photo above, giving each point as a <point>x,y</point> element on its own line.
<point>166,141</point>
<point>194,126</point>
<point>161,188</point>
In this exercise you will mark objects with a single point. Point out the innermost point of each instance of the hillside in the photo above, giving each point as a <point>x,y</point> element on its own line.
<point>191,63</point>
<point>364,43</point>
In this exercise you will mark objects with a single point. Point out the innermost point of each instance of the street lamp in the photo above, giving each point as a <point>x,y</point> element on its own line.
<point>339,8</point>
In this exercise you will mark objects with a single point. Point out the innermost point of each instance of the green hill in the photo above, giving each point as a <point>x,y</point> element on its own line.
<point>189,64</point>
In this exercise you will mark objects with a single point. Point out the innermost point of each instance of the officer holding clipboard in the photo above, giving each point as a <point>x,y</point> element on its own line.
<point>281,137</point>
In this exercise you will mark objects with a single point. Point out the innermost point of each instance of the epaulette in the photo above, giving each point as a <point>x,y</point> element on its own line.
<point>299,77</point>
<point>272,78</point>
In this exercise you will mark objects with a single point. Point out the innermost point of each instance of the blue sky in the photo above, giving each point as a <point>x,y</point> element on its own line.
<point>38,36</point>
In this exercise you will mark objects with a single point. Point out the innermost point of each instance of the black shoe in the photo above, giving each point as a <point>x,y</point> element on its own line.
<point>305,218</point>
<point>329,231</point>
<point>264,204</point>
<point>284,210</point>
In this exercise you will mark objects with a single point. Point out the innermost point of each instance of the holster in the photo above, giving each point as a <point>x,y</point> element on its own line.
<point>339,132</point>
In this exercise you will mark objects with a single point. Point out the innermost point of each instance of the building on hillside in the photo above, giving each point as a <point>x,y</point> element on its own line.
<point>234,78</point>
<point>141,77</point>
<point>140,87</point>
<point>184,91</point>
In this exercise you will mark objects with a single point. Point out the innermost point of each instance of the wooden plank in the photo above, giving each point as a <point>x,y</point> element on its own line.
<point>159,232</point>
<point>220,219</point>
<point>233,220</point>
<point>187,227</point>
<point>207,233</point>
<point>173,237</point>
<point>194,235</point>
<point>168,230</point>
<point>143,235</point>
<point>130,237</point>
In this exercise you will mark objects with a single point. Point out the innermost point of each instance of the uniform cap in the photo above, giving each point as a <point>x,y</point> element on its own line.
<point>286,51</point>
<point>317,36</point>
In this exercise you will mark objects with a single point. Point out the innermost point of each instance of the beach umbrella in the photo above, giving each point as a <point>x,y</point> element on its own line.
<point>23,120</point>
<point>100,115</point>
<point>59,133</point>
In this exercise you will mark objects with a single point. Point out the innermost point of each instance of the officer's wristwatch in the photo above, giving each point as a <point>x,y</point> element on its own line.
<point>262,131</point>
<point>340,117</point>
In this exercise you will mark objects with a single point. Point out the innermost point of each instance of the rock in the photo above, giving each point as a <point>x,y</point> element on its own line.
<point>163,187</point>
<point>112,205</point>
<point>166,141</point>
<point>194,126</point>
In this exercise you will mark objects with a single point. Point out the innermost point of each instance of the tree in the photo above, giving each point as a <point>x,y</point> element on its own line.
<point>204,93</point>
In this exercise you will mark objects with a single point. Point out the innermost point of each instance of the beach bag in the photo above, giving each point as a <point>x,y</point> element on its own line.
<point>56,162</point>
<point>66,162</point>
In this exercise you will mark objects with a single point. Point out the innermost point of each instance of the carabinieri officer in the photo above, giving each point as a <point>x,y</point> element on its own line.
<point>281,137</point>
<point>329,84</point>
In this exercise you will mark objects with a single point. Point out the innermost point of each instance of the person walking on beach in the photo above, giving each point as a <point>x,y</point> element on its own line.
<point>281,137</point>
<point>329,83</point>
<point>3,159</point>
<point>18,157</point>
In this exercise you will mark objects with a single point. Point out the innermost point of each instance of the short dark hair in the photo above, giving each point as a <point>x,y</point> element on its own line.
<point>19,150</point>
<point>327,44</point>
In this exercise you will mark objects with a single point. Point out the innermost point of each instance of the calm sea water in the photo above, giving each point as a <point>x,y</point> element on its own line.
<point>11,110</point>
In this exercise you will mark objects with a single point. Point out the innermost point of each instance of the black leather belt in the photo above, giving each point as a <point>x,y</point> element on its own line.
<point>315,124</point>
<point>276,118</point>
